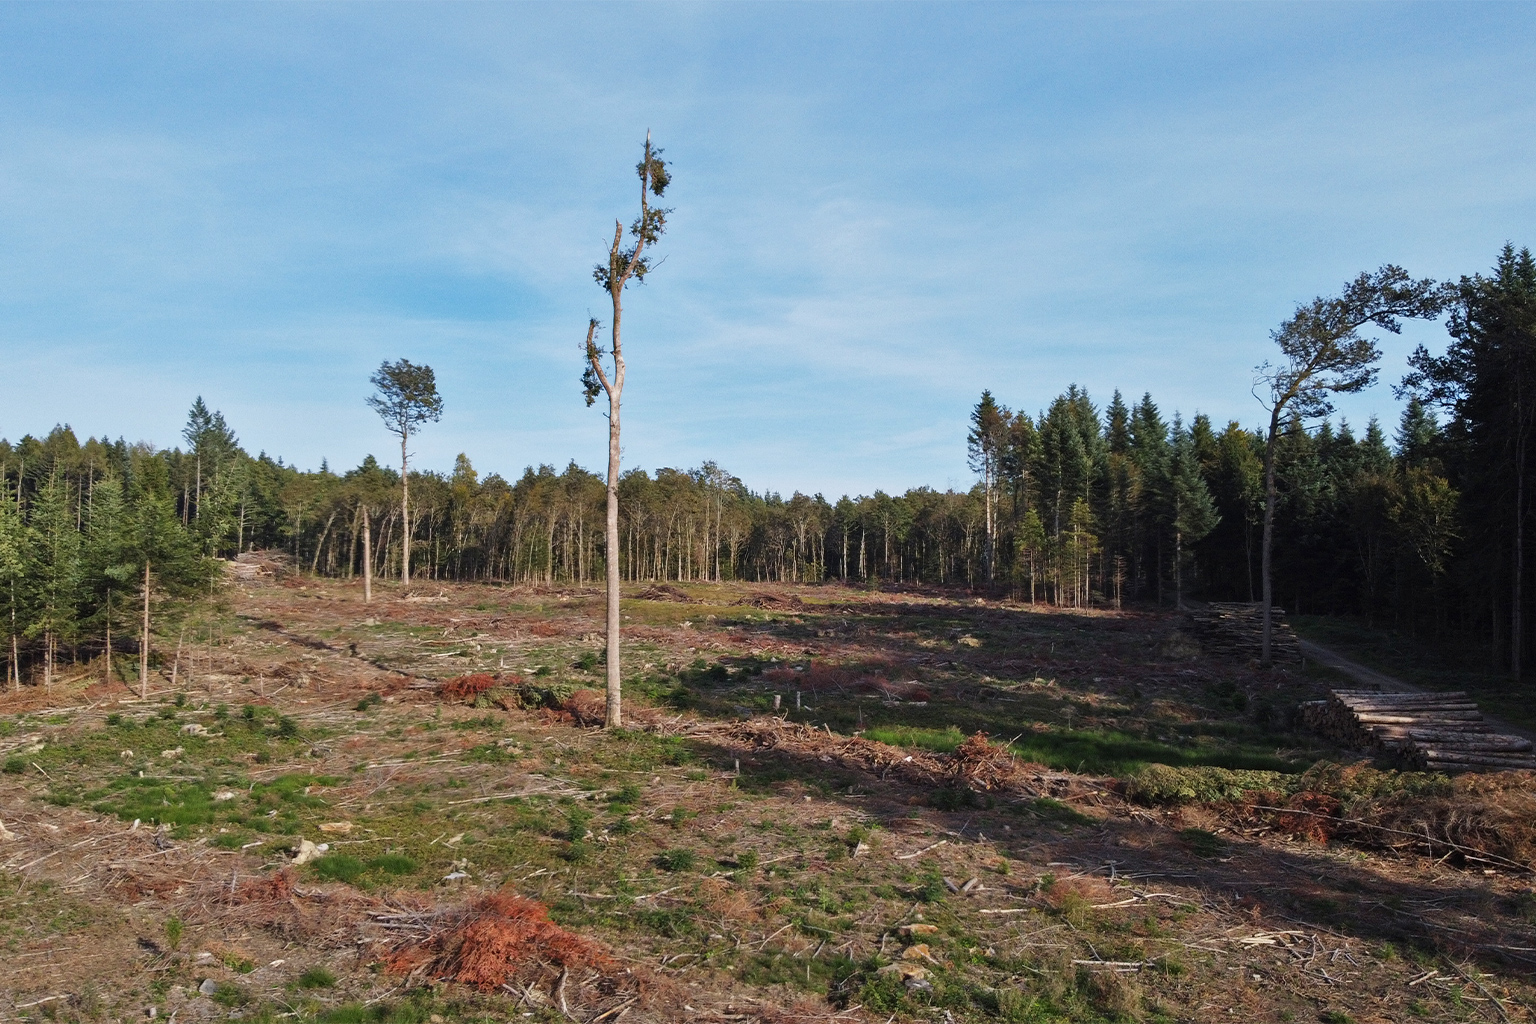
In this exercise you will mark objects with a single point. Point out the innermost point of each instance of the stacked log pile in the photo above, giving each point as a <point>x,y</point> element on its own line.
<point>1433,731</point>
<point>249,566</point>
<point>1237,630</point>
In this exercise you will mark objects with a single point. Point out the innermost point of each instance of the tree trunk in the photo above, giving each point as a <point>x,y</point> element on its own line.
<point>1265,658</point>
<point>615,714</point>
<point>144,641</point>
<point>405,514</point>
<point>108,679</point>
<point>314,565</point>
<point>1178,570</point>
<point>367,558</point>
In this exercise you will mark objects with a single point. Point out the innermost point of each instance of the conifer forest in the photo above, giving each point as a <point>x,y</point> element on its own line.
<point>1092,501</point>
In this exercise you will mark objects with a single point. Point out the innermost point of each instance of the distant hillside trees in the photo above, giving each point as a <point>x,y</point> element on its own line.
<point>1085,507</point>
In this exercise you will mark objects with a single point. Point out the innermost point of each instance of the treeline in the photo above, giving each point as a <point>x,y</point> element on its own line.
<point>1076,505</point>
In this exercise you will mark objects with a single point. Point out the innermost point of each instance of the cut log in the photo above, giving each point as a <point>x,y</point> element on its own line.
<point>1437,731</point>
<point>1371,717</point>
<point>1235,630</point>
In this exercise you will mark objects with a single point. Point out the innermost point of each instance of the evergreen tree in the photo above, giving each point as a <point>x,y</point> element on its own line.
<point>1417,433</point>
<point>1324,355</point>
<point>13,566</point>
<point>163,555</point>
<point>624,264</point>
<point>1488,379</point>
<point>111,563</point>
<point>985,443</point>
<point>53,572</point>
<point>1191,512</point>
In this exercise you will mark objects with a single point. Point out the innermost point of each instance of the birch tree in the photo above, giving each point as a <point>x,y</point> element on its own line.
<point>604,374</point>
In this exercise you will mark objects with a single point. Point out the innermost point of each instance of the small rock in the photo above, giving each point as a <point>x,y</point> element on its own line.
<point>918,951</point>
<point>126,755</point>
<point>339,828</point>
<point>919,985</point>
<point>208,987</point>
<point>6,835</point>
<point>904,970</point>
<point>308,851</point>
<point>175,752</point>
<point>918,929</point>
<point>223,795</point>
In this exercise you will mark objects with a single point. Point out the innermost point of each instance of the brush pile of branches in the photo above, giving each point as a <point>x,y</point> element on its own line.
<point>506,942</point>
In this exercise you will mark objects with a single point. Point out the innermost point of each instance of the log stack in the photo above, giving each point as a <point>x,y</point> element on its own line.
<point>1426,731</point>
<point>1236,630</point>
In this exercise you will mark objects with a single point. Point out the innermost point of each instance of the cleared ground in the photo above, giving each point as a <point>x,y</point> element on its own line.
<point>796,827</point>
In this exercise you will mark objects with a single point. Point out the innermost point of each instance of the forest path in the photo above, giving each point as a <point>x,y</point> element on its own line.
<point>1390,684</point>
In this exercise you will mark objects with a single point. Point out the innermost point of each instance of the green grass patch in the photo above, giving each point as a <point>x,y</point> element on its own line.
<point>944,741</point>
<point>339,867</point>
<point>317,977</point>
<point>1116,753</point>
<point>393,864</point>
<point>676,860</point>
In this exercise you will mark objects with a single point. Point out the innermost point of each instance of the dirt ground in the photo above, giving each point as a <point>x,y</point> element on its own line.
<point>799,824</point>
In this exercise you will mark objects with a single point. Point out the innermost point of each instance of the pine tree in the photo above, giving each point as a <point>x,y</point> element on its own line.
<point>1418,435</point>
<point>989,426</point>
<point>54,572</point>
<point>164,556</point>
<point>406,397</point>
<point>13,570</point>
<point>624,264</point>
<point>1488,378</point>
<point>111,561</point>
<point>1324,355</point>
<point>1190,509</point>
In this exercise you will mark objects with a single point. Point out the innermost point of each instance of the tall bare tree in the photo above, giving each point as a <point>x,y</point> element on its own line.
<point>407,397</point>
<point>984,445</point>
<point>624,264</point>
<point>1324,355</point>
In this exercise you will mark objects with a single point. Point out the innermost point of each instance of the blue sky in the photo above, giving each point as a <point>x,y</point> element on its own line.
<point>880,210</point>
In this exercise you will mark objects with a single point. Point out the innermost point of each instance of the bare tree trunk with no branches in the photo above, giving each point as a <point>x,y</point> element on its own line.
<point>144,641</point>
<point>367,558</point>
<point>1269,529</point>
